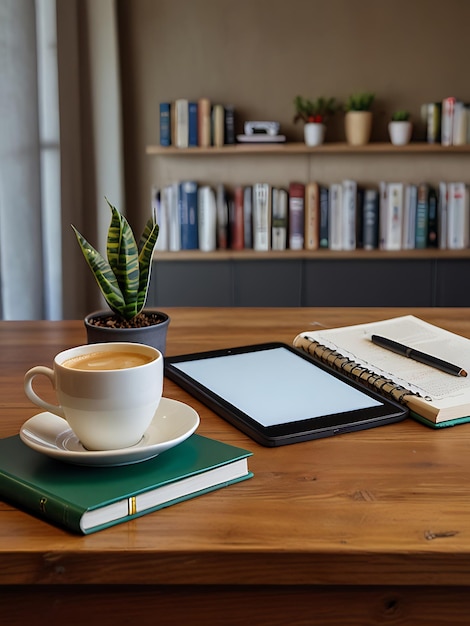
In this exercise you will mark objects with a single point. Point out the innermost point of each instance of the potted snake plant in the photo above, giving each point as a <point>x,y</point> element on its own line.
<point>358,118</point>
<point>124,279</point>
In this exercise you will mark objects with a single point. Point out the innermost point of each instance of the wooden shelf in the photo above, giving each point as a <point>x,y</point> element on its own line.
<point>301,148</point>
<point>327,255</point>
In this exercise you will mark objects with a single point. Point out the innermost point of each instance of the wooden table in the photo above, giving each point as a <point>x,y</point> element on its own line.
<point>365,528</point>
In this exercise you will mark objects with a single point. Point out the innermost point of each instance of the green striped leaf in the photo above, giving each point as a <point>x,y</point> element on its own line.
<point>103,274</point>
<point>146,246</point>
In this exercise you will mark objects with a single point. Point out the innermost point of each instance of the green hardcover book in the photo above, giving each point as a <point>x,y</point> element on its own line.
<point>88,499</point>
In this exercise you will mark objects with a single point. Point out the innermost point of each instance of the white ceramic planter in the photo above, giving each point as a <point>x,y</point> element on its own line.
<point>400,132</point>
<point>358,127</point>
<point>314,133</point>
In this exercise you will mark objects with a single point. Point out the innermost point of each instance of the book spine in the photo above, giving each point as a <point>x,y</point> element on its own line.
<point>371,219</point>
<point>204,122</point>
<point>187,202</point>
<point>279,219</point>
<point>174,231</point>
<point>218,124</point>
<point>248,216</point>
<point>261,217</point>
<point>229,124</point>
<point>222,217</point>
<point>433,122</point>
<point>442,222</point>
<point>237,235</point>
<point>296,215</point>
<point>393,229</point>
<point>459,124</point>
<point>447,121</point>
<point>324,207</point>
<point>383,212</point>
<point>409,216</point>
<point>160,215</point>
<point>432,232</point>
<point>312,216</point>
<point>181,123</point>
<point>193,139</point>
<point>421,235</point>
<point>165,124</point>
<point>335,237</point>
<point>456,218</point>
<point>207,219</point>
<point>348,214</point>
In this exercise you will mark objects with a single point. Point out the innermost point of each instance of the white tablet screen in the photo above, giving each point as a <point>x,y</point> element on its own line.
<point>276,386</point>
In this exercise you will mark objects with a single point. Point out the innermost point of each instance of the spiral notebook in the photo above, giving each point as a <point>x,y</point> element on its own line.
<point>433,397</point>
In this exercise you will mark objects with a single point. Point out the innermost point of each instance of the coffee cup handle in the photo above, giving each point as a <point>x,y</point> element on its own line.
<point>32,395</point>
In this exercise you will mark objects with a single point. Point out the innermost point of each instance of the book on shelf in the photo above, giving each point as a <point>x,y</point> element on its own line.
<point>422,213</point>
<point>296,215</point>
<point>262,216</point>
<point>442,224</point>
<point>165,123</point>
<point>187,205</point>
<point>88,499</point>
<point>434,397</point>
<point>312,216</point>
<point>237,235</point>
<point>248,216</point>
<point>170,195</point>
<point>160,215</point>
<point>409,216</point>
<point>457,216</point>
<point>433,122</point>
<point>432,232</point>
<point>229,124</point>
<point>204,122</point>
<point>222,216</point>
<point>193,138</point>
<point>360,216</point>
<point>447,121</point>
<point>218,125</point>
<point>207,219</point>
<point>370,219</point>
<point>279,219</point>
<point>335,220</point>
<point>324,216</point>
<point>181,123</point>
<point>348,214</point>
<point>392,215</point>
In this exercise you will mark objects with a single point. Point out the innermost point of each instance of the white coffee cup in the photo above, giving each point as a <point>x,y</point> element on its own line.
<point>109,404</point>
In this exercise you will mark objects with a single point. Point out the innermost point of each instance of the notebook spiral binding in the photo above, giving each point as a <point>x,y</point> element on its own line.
<point>353,370</point>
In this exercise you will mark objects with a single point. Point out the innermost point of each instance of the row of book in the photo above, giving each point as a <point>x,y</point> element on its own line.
<point>447,122</point>
<point>338,216</point>
<point>185,123</point>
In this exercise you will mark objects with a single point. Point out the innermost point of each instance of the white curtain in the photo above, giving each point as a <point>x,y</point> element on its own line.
<point>60,151</point>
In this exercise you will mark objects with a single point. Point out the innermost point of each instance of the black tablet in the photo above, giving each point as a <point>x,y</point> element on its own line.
<point>278,395</point>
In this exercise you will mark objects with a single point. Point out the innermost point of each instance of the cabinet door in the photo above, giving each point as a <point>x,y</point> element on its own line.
<point>452,282</point>
<point>267,282</point>
<point>373,282</point>
<point>191,283</point>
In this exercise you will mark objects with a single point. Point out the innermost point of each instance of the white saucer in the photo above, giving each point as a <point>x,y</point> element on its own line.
<point>51,435</point>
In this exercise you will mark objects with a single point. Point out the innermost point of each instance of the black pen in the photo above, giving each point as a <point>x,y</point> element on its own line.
<point>416,355</point>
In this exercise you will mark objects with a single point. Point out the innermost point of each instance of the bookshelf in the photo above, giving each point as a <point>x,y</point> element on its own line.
<point>428,277</point>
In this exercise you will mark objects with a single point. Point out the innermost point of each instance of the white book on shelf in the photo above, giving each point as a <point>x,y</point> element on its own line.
<point>181,123</point>
<point>279,219</point>
<point>335,220</point>
<point>160,215</point>
<point>207,218</point>
<point>349,214</point>
<point>174,229</point>
<point>459,124</point>
<point>261,206</point>
<point>409,216</point>
<point>457,216</point>
<point>392,232</point>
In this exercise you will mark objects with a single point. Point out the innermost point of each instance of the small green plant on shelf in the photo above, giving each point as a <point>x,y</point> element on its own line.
<point>124,278</point>
<point>401,116</point>
<point>359,102</point>
<point>316,111</point>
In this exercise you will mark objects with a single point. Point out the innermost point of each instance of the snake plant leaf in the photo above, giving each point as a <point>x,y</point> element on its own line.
<point>146,246</point>
<point>123,257</point>
<point>103,274</point>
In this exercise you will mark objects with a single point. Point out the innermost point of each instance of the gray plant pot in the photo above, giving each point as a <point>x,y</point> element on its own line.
<point>154,336</point>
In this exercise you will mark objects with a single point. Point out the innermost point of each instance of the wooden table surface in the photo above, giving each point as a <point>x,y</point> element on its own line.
<point>364,528</point>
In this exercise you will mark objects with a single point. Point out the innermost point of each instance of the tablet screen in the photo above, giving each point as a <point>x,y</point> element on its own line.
<point>276,386</point>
